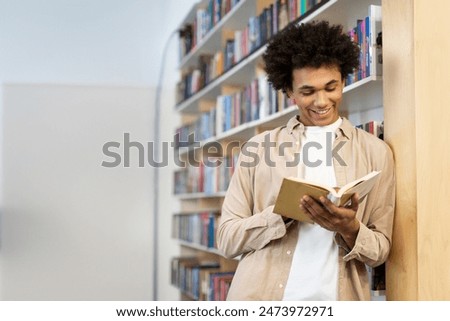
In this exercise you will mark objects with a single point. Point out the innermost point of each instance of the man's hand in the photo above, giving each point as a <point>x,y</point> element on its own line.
<point>333,218</point>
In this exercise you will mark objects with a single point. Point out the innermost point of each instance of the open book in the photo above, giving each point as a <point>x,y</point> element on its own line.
<point>293,189</point>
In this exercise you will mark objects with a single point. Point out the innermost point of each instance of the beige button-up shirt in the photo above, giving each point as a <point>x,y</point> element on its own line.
<point>248,226</point>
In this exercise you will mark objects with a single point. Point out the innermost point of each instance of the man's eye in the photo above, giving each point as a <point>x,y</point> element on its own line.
<point>330,88</point>
<point>307,93</point>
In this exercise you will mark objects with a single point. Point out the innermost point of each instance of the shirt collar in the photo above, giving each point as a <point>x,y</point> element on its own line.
<point>345,129</point>
<point>293,123</point>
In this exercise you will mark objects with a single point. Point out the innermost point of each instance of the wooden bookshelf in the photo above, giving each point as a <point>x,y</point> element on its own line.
<point>360,96</point>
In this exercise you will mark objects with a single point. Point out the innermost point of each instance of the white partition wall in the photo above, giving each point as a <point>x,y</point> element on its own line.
<point>71,228</point>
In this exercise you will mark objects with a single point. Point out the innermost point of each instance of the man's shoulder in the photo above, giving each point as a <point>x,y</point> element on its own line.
<point>370,138</point>
<point>372,143</point>
<point>272,135</point>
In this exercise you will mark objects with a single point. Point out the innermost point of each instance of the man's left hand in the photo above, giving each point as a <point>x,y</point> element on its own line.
<point>333,218</point>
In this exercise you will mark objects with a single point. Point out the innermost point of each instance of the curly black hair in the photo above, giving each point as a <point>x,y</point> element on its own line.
<point>314,44</point>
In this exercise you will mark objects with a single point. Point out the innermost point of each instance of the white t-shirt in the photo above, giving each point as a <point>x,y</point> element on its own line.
<point>314,270</point>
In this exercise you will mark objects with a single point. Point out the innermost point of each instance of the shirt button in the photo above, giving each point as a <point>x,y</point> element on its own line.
<point>288,252</point>
<point>280,285</point>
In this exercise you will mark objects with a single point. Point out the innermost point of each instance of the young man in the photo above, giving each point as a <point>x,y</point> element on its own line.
<point>283,259</point>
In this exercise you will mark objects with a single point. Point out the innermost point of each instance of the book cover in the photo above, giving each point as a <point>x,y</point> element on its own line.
<point>293,189</point>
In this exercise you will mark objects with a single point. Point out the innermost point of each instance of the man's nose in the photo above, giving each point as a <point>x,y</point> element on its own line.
<point>320,99</point>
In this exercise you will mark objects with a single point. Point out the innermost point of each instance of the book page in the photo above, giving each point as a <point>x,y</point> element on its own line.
<point>361,186</point>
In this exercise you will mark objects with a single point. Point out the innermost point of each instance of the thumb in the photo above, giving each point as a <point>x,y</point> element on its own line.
<point>355,202</point>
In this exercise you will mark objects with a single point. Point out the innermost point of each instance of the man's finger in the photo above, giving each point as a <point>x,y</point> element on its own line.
<point>355,202</point>
<point>330,207</point>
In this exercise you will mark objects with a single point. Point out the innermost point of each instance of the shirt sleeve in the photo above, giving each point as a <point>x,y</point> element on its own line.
<point>240,229</point>
<point>374,238</point>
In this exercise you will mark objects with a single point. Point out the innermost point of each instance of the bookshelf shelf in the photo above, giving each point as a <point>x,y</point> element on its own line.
<point>363,95</point>
<point>238,75</point>
<point>360,96</point>
<point>233,20</point>
<point>199,247</point>
<point>361,82</point>
<point>195,211</point>
<point>188,196</point>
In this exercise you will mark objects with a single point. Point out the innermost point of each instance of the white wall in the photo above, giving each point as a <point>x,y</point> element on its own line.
<point>75,74</point>
<point>72,229</point>
<point>82,41</point>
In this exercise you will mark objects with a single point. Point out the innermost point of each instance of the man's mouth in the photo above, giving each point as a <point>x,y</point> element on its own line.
<point>321,111</point>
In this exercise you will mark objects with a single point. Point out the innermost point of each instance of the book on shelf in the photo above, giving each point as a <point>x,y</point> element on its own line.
<point>366,34</point>
<point>373,127</point>
<point>186,274</point>
<point>283,14</point>
<point>206,18</point>
<point>186,40</point>
<point>201,279</point>
<point>293,189</point>
<point>176,265</point>
<point>219,284</point>
<point>196,228</point>
<point>208,176</point>
<point>205,282</point>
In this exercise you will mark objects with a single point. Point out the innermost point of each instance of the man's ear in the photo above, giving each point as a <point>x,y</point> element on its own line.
<point>290,95</point>
<point>289,92</point>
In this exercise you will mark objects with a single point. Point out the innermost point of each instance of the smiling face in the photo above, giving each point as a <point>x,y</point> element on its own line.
<point>318,93</point>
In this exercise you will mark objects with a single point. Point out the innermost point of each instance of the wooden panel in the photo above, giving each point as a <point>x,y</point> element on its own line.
<point>416,76</point>
<point>432,75</point>
<point>399,109</point>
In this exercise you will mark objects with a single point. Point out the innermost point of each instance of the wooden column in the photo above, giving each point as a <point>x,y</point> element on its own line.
<point>416,84</point>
